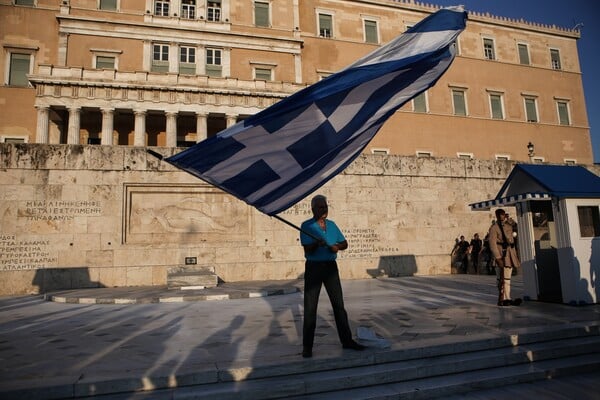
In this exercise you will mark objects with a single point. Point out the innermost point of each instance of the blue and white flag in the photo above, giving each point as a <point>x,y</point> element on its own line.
<point>277,157</point>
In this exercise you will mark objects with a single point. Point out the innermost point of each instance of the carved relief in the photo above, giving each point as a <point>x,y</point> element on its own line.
<point>175,213</point>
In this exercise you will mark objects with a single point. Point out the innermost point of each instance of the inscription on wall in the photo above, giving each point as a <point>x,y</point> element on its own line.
<point>58,210</point>
<point>19,255</point>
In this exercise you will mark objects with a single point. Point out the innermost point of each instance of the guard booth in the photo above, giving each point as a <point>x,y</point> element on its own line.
<point>558,219</point>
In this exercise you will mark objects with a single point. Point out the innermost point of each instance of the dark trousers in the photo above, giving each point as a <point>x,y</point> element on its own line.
<point>316,274</point>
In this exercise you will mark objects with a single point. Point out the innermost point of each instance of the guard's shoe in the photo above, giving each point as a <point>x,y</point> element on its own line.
<point>307,352</point>
<point>504,303</point>
<point>354,346</point>
<point>516,302</point>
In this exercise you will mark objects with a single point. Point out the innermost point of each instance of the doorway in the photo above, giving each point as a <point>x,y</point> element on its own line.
<point>546,255</point>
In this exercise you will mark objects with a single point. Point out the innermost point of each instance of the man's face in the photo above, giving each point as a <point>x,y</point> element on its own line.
<point>502,217</point>
<point>320,209</point>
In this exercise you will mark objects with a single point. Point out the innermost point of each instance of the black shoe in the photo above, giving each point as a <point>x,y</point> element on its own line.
<point>354,346</point>
<point>516,302</point>
<point>307,352</point>
<point>504,303</point>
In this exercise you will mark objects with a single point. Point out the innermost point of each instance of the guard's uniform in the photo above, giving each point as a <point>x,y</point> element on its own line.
<point>509,255</point>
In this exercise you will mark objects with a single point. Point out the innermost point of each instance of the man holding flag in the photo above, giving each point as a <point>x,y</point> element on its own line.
<point>322,239</point>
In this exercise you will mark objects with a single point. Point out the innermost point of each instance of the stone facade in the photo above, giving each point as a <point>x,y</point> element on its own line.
<point>87,216</point>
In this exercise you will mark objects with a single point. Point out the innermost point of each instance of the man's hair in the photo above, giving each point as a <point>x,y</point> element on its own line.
<point>499,212</point>
<point>317,198</point>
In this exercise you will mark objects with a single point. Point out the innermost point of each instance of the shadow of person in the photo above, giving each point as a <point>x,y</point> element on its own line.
<point>221,345</point>
<point>595,267</point>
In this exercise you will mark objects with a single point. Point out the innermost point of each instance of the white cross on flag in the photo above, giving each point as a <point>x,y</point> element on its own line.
<point>277,157</point>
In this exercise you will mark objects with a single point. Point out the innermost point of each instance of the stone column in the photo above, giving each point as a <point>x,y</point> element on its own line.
<point>74,125</point>
<point>171,129</point>
<point>139,138</point>
<point>107,126</point>
<point>41,130</point>
<point>230,120</point>
<point>201,127</point>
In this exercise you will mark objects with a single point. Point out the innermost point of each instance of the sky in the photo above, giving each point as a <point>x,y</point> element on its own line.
<point>565,14</point>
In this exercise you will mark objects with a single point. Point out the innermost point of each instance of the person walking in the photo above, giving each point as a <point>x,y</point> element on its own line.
<point>502,245</point>
<point>322,240</point>
<point>476,249</point>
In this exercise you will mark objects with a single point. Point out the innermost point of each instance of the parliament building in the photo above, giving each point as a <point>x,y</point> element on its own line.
<point>171,73</point>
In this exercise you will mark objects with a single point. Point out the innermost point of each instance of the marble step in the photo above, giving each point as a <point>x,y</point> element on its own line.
<point>350,378</point>
<point>191,276</point>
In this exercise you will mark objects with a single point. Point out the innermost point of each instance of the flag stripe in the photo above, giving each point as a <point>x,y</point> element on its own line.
<point>280,155</point>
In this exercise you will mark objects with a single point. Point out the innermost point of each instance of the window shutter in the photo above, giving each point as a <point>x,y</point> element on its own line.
<point>261,14</point>
<point>19,68</point>
<point>371,32</point>
<point>523,54</point>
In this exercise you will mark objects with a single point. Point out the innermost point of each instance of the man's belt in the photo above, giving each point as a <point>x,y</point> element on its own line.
<point>511,245</point>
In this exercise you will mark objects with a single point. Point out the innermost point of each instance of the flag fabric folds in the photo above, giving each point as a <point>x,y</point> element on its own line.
<point>277,157</point>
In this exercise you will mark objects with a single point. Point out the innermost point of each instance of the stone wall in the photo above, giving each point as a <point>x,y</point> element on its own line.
<point>88,216</point>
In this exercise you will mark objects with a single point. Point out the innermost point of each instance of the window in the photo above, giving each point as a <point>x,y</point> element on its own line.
<point>538,160</point>
<point>188,9</point>
<point>24,2</point>
<point>563,112</point>
<point>187,60</point>
<point>110,5</point>
<point>380,151</point>
<point>424,154</point>
<point>420,103</point>
<point>20,66</point>
<point>555,58</point>
<point>465,156</point>
<point>13,139</point>
<point>496,106</point>
<point>263,74</point>
<point>325,25</point>
<point>502,157</point>
<point>105,62</point>
<point>161,8</point>
<point>213,62</point>
<point>371,34</point>
<point>570,161</point>
<point>531,109</point>
<point>213,10</point>
<point>160,58</point>
<point>523,53</point>
<point>458,102</point>
<point>589,221</point>
<point>261,13</point>
<point>488,49</point>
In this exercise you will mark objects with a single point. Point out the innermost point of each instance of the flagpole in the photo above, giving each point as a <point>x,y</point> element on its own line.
<point>296,227</point>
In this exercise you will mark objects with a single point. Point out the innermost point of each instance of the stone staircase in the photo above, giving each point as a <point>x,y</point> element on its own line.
<point>421,371</point>
<point>191,277</point>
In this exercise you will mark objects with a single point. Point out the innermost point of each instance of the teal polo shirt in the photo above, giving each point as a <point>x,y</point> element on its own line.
<point>331,235</point>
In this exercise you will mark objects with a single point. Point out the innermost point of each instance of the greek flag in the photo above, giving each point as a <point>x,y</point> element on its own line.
<point>277,157</point>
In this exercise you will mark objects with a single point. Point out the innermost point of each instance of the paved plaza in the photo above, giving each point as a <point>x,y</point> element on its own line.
<point>243,326</point>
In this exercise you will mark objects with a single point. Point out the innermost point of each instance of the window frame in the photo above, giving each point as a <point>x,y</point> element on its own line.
<point>380,151</point>
<point>263,68</point>
<point>268,11</point>
<point>14,139</point>
<point>330,14</point>
<point>160,65</point>
<point>558,65</point>
<point>502,157</point>
<point>567,110</point>
<point>570,161</point>
<point>9,50</point>
<point>500,95</point>
<point>537,115</point>
<point>424,153</point>
<point>424,96</point>
<point>213,69</point>
<point>526,46</point>
<point>464,156</point>
<point>464,101</point>
<point>595,221</point>
<point>33,3</point>
<point>214,13</point>
<point>163,12</point>
<point>493,49</point>
<point>189,67</point>
<point>375,21</point>
<point>187,10</point>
